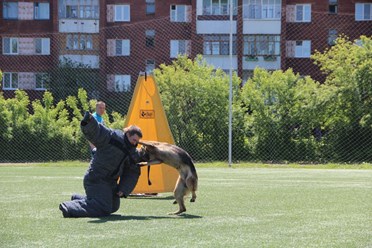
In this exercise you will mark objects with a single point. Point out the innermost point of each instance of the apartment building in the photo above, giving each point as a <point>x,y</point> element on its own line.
<point>26,30</point>
<point>114,40</point>
<point>308,27</point>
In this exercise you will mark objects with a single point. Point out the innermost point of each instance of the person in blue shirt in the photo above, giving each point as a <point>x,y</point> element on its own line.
<point>100,111</point>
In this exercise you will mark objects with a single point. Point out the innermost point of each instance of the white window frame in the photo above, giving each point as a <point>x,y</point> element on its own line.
<point>88,12</point>
<point>150,65</point>
<point>261,45</point>
<point>178,13</point>
<point>41,11</point>
<point>6,11</point>
<point>218,45</point>
<point>150,7</point>
<point>179,47</point>
<point>122,13</point>
<point>218,7</point>
<point>72,11</point>
<point>333,6</point>
<point>150,37</point>
<point>45,46</point>
<point>360,11</point>
<point>11,76</point>
<point>79,8</point>
<point>260,9</point>
<point>79,42</point>
<point>332,36</point>
<point>11,40</point>
<point>125,48</point>
<point>302,49</point>
<point>44,79</point>
<point>122,83</point>
<point>305,12</point>
<point>89,42</point>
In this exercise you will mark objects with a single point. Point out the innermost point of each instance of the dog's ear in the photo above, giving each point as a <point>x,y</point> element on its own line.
<point>150,146</point>
<point>148,143</point>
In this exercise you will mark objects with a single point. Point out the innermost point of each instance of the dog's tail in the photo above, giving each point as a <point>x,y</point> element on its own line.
<point>193,180</point>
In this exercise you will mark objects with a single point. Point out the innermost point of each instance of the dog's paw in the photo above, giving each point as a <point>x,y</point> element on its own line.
<point>192,200</point>
<point>177,212</point>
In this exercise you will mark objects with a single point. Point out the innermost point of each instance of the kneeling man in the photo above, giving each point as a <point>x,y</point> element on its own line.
<point>116,156</point>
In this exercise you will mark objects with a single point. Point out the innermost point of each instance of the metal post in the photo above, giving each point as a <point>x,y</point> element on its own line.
<point>230,87</point>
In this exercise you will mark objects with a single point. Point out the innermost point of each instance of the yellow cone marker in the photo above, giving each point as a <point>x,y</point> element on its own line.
<point>146,111</point>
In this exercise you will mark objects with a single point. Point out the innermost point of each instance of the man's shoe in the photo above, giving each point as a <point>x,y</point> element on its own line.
<point>77,197</point>
<point>64,210</point>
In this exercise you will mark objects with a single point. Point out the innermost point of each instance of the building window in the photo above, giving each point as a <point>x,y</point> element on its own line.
<point>333,6</point>
<point>150,7</point>
<point>10,10</point>
<point>303,12</point>
<point>303,49</point>
<point>88,11</point>
<point>89,42</point>
<point>71,11</point>
<point>122,48</point>
<point>262,9</point>
<point>10,45</point>
<point>122,83</point>
<point>10,80</point>
<point>218,45</point>
<point>262,45</point>
<point>218,7</point>
<point>122,13</point>
<point>150,38</point>
<point>179,47</point>
<point>42,46</point>
<point>363,11</point>
<point>41,80</point>
<point>332,36</point>
<point>150,66</point>
<point>79,9</point>
<point>79,42</point>
<point>179,13</point>
<point>41,11</point>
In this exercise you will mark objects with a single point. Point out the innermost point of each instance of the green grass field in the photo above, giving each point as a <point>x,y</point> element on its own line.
<point>236,207</point>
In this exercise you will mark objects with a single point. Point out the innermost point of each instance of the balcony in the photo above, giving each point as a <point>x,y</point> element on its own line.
<point>78,26</point>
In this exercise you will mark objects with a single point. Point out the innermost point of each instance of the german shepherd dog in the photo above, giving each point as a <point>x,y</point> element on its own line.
<point>153,152</point>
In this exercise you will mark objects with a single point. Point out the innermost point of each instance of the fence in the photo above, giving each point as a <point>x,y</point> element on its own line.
<point>290,103</point>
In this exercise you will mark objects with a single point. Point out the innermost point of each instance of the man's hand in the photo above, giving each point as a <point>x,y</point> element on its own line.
<point>87,117</point>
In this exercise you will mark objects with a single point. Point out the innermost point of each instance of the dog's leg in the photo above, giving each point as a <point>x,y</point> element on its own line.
<point>179,194</point>
<point>191,183</point>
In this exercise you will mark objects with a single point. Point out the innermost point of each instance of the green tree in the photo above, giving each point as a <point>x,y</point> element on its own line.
<point>285,111</point>
<point>349,76</point>
<point>16,126</point>
<point>44,131</point>
<point>196,97</point>
<point>69,76</point>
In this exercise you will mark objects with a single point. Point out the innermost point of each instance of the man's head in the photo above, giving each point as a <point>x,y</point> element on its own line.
<point>134,134</point>
<point>100,108</point>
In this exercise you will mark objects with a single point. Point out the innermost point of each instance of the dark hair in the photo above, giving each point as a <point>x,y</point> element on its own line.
<point>132,130</point>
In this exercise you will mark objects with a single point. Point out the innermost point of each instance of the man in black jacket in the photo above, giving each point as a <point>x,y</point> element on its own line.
<point>116,157</point>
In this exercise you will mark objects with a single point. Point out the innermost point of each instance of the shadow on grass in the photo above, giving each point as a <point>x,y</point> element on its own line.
<point>151,197</point>
<point>117,217</point>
